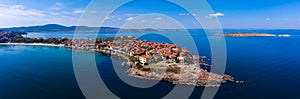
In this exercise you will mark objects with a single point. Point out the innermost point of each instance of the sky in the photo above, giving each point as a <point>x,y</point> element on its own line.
<point>232,14</point>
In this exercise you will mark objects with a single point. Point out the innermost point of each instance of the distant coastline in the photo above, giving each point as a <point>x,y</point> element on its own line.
<point>62,28</point>
<point>246,34</point>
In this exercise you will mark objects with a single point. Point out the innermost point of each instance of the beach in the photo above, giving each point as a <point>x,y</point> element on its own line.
<point>34,44</point>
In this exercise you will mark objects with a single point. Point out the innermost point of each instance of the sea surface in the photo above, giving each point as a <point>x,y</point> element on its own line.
<point>269,66</point>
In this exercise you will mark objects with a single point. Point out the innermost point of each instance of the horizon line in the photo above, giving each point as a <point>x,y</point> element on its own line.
<point>151,28</point>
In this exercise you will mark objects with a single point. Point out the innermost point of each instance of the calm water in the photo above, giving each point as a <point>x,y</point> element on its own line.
<point>269,65</point>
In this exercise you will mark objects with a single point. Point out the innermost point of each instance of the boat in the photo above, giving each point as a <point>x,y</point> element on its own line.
<point>284,35</point>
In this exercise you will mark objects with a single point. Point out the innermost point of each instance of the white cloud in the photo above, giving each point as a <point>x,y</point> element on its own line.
<point>57,6</point>
<point>268,19</point>
<point>216,14</point>
<point>78,11</point>
<point>130,18</point>
<point>54,13</point>
<point>183,14</point>
<point>66,12</point>
<point>18,10</point>
<point>18,7</point>
<point>112,17</point>
<point>158,18</point>
<point>108,18</point>
<point>19,15</point>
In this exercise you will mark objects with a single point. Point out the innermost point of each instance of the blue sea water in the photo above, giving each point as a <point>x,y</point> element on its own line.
<point>269,65</point>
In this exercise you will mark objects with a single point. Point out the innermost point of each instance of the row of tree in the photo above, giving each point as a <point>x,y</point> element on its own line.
<point>40,40</point>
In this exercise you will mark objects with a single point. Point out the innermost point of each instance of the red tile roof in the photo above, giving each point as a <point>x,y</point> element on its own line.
<point>145,56</point>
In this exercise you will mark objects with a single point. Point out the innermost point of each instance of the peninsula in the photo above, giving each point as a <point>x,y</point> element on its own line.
<point>154,60</point>
<point>147,60</point>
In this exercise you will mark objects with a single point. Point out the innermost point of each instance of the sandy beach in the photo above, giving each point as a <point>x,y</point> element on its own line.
<point>34,44</point>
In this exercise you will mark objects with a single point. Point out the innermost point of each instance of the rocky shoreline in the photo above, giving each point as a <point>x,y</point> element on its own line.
<point>198,77</point>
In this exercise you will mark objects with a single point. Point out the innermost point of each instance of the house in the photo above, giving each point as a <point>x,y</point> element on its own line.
<point>181,59</point>
<point>145,59</point>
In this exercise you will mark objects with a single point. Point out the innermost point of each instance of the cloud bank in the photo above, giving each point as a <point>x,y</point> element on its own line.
<point>16,15</point>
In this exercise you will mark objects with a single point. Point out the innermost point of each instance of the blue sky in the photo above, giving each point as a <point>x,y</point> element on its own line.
<point>232,14</point>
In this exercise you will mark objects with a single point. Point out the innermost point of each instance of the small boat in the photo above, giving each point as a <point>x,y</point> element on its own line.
<point>284,35</point>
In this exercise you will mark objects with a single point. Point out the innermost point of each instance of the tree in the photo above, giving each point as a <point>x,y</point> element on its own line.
<point>133,59</point>
<point>177,60</point>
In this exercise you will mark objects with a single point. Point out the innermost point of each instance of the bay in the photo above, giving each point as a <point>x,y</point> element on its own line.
<point>269,66</point>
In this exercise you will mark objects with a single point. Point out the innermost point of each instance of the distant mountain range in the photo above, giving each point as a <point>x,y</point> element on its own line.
<point>58,28</point>
<point>61,28</point>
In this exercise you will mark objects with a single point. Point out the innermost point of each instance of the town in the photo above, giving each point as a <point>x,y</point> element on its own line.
<point>154,60</point>
<point>146,52</point>
<point>147,60</point>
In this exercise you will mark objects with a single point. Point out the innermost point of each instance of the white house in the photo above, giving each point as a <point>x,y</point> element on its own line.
<point>181,59</point>
<point>145,59</point>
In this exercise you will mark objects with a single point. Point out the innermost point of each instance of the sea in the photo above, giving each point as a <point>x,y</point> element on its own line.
<point>270,67</point>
